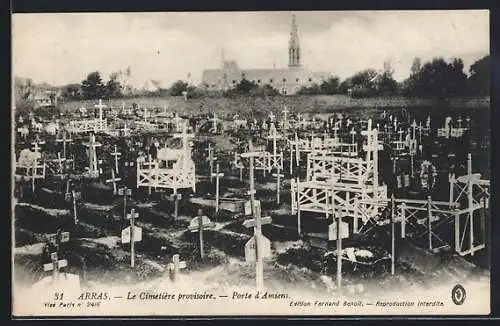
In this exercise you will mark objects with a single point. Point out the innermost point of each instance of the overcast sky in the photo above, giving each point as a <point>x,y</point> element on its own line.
<point>63,48</point>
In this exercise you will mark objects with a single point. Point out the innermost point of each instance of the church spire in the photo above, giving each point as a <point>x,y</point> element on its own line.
<point>294,46</point>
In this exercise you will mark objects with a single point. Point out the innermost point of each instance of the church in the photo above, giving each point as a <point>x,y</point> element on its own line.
<point>286,80</point>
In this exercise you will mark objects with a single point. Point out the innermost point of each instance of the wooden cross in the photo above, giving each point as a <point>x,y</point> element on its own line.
<point>211,158</point>
<point>125,130</point>
<point>257,218</point>
<point>335,129</point>
<point>132,216</point>
<point>36,143</point>
<point>198,224</point>
<point>257,223</point>
<point>176,197</point>
<point>116,154</point>
<point>92,145</point>
<point>58,238</point>
<point>400,132</point>
<point>214,122</point>
<point>274,136</point>
<point>353,134</point>
<point>175,266</point>
<point>177,121</point>
<point>285,111</point>
<point>64,140</point>
<point>113,180</point>
<point>124,191</point>
<point>55,266</point>
<point>100,106</point>
<point>185,144</point>
<point>217,175</point>
<point>278,176</point>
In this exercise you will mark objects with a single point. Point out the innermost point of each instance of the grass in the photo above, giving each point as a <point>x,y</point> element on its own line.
<point>262,106</point>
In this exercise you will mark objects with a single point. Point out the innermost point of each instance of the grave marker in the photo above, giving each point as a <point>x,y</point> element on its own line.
<point>129,234</point>
<point>198,224</point>
<point>55,266</point>
<point>175,266</point>
<point>113,180</point>
<point>217,175</point>
<point>278,176</point>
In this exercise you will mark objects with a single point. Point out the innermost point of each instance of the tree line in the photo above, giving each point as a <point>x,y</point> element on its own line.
<point>435,78</point>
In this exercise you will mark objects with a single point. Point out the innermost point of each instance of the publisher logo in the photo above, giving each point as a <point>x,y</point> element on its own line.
<point>458,294</point>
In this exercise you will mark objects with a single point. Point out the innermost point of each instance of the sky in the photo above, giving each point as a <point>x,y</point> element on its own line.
<point>61,48</point>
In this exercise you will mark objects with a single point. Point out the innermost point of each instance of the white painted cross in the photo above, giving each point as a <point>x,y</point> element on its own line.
<point>100,106</point>
<point>175,266</point>
<point>132,234</point>
<point>459,122</point>
<point>214,120</point>
<point>353,134</point>
<point>55,266</point>
<point>271,116</point>
<point>116,154</point>
<point>64,140</point>
<point>285,111</point>
<point>273,134</point>
<point>185,144</point>
<point>217,175</point>
<point>58,238</point>
<point>198,224</point>
<point>256,222</point>
<point>126,130</point>
<point>92,145</point>
<point>113,180</point>
<point>211,158</point>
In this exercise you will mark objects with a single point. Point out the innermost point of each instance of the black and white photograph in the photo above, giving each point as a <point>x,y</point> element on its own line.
<point>251,163</point>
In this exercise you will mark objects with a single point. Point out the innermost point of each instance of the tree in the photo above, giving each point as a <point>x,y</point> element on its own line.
<point>385,84</point>
<point>93,87</point>
<point>244,86</point>
<point>72,91</point>
<point>362,83</point>
<point>313,89</point>
<point>479,79</point>
<point>330,86</point>
<point>113,87</point>
<point>437,78</point>
<point>415,66</point>
<point>178,87</point>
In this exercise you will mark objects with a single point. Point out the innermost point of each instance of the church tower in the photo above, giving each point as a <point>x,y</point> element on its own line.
<point>294,46</point>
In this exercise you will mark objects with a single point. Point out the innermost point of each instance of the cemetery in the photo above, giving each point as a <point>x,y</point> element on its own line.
<point>346,201</point>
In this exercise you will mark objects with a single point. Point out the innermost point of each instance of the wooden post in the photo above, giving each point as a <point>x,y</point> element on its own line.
<point>403,220</point>
<point>55,273</point>
<point>339,251</point>
<point>259,273</point>
<point>429,221</point>
<point>470,203</point>
<point>132,216</point>
<point>278,175</point>
<point>75,216</point>
<point>299,230</point>
<point>393,245</point>
<point>33,176</point>
<point>200,233</point>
